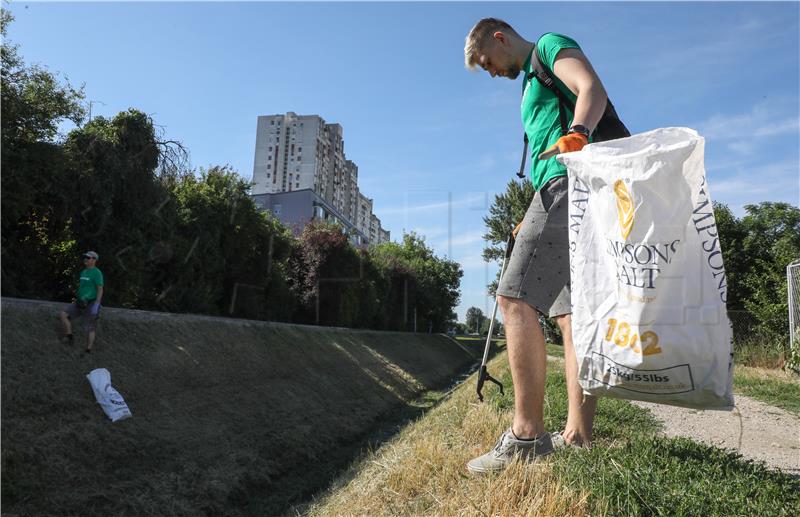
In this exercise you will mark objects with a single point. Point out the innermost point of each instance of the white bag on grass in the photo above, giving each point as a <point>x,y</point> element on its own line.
<point>108,398</point>
<point>649,320</point>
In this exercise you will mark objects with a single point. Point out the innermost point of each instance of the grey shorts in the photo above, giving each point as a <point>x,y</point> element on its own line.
<point>88,321</point>
<point>538,269</point>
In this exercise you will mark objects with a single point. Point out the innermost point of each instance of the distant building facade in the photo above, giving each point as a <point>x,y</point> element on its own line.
<point>300,168</point>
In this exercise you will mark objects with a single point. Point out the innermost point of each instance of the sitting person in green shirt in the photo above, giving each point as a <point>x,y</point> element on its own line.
<point>87,301</point>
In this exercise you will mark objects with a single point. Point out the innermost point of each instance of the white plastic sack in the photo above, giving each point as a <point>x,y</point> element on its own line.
<point>649,320</point>
<point>108,398</point>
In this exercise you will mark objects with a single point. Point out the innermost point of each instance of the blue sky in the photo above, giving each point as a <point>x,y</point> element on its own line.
<point>434,143</point>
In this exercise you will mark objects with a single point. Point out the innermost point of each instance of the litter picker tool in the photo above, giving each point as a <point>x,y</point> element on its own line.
<point>484,376</point>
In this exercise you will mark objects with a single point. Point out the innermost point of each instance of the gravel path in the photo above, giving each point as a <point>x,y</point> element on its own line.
<point>754,429</point>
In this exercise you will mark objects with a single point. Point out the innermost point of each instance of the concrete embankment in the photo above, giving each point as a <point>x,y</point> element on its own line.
<point>229,416</point>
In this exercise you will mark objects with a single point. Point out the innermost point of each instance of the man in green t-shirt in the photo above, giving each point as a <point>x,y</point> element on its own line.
<point>536,279</point>
<point>87,301</point>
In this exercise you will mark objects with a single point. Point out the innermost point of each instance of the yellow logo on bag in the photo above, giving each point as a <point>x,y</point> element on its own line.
<point>624,208</point>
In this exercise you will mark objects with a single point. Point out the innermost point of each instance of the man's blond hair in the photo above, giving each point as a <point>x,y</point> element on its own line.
<point>478,36</point>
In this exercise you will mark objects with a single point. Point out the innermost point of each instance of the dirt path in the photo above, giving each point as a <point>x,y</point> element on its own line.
<point>754,429</point>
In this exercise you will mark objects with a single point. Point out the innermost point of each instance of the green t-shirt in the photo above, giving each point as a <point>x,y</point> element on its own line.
<point>90,279</point>
<point>540,110</point>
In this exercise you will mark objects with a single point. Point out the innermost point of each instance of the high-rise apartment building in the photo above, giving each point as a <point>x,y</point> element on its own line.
<point>303,152</point>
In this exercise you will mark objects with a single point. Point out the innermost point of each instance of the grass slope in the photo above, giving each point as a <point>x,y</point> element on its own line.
<point>229,416</point>
<point>630,471</point>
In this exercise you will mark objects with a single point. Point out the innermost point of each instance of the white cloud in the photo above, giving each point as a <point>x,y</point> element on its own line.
<point>464,239</point>
<point>775,181</point>
<point>728,47</point>
<point>429,206</point>
<point>765,119</point>
<point>474,262</point>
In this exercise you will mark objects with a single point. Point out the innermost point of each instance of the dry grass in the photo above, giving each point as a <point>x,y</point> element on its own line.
<point>768,374</point>
<point>230,417</point>
<point>422,471</point>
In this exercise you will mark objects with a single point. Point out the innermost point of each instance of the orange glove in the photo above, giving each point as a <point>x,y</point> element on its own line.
<point>516,230</point>
<point>565,144</point>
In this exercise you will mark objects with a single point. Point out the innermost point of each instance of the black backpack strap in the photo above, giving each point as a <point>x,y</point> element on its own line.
<point>545,79</point>
<point>521,173</point>
<point>540,72</point>
<point>609,127</point>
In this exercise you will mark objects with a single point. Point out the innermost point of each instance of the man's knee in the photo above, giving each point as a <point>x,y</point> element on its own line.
<point>514,308</point>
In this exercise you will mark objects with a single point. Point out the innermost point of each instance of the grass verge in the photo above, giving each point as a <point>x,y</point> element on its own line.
<point>774,387</point>
<point>631,470</point>
<point>759,352</point>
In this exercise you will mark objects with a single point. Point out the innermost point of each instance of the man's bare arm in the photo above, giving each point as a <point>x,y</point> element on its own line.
<point>574,70</point>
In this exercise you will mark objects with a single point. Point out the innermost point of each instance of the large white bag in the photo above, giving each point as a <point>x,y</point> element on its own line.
<point>648,284</point>
<point>108,398</point>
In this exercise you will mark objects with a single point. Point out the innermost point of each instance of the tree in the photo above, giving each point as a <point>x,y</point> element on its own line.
<point>496,330</point>
<point>732,236</point>
<point>436,280</point>
<point>475,319</point>
<point>505,213</point>
<point>120,208</point>
<point>326,275</point>
<point>36,181</point>
<point>771,243</point>
<point>232,257</point>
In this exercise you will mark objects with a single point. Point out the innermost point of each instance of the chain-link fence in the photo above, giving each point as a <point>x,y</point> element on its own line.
<point>744,325</point>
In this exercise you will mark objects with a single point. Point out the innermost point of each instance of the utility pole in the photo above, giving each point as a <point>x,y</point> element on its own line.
<point>90,108</point>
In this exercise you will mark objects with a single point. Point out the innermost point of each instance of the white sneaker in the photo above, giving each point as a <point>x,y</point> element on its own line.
<point>506,448</point>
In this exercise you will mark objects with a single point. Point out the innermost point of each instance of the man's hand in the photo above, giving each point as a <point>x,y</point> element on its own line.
<point>94,310</point>
<point>516,230</point>
<point>566,144</point>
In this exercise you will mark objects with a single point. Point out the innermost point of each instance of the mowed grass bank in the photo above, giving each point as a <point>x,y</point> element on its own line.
<point>230,417</point>
<point>630,471</point>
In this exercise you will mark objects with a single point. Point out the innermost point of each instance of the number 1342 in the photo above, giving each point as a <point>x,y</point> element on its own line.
<point>620,333</point>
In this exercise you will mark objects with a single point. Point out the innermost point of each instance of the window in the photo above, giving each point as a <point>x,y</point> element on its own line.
<point>269,166</point>
<point>297,185</point>
<point>271,122</point>
<point>268,175</point>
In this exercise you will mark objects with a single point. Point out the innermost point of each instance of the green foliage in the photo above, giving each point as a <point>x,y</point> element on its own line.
<point>496,330</point>
<point>772,243</point>
<point>633,471</point>
<point>505,213</point>
<point>118,205</point>
<point>774,391</point>
<point>732,236</point>
<point>230,256</point>
<point>434,282</point>
<point>37,181</point>
<point>328,276</point>
<point>475,319</point>
<point>178,240</point>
